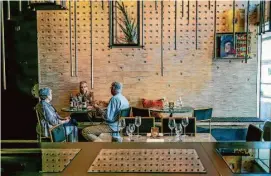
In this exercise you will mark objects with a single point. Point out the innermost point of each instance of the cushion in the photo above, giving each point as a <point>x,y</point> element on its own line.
<point>158,104</point>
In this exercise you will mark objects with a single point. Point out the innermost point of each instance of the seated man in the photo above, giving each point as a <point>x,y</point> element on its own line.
<point>50,118</point>
<point>110,116</point>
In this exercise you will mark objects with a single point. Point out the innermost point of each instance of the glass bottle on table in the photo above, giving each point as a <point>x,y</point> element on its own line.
<point>71,102</point>
<point>84,103</point>
<point>165,102</point>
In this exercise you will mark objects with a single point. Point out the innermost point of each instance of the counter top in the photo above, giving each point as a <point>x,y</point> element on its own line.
<point>79,165</point>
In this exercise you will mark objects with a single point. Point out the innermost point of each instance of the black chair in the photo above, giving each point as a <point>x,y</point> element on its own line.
<point>189,130</point>
<point>203,115</point>
<point>146,124</point>
<point>58,133</point>
<point>267,131</point>
<point>254,133</point>
<point>141,112</point>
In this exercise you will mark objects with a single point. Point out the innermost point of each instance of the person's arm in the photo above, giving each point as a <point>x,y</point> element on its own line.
<point>111,110</point>
<point>91,98</point>
<point>51,116</point>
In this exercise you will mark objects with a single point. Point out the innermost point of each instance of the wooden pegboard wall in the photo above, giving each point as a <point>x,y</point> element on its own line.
<point>187,70</point>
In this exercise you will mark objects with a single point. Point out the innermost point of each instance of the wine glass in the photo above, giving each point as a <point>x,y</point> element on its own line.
<point>132,128</point>
<point>122,124</point>
<point>171,124</point>
<point>185,122</point>
<point>137,124</point>
<point>179,130</point>
<point>128,132</point>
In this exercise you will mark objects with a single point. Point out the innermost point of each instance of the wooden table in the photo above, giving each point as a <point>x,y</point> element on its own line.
<point>206,151</point>
<point>77,111</point>
<point>174,110</point>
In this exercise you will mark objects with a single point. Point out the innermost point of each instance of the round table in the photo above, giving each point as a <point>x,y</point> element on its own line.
<point>80,115</point>
<point>78,111</point>
<point>174,110</point>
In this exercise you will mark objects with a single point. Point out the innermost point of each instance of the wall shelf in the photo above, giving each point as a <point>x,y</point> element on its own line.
<point>233,45</point>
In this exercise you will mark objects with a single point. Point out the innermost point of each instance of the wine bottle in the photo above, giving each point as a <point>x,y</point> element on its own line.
<point>84,103</point>
<point>71,101</point>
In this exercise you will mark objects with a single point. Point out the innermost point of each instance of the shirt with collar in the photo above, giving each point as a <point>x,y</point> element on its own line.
<point>116,104</point>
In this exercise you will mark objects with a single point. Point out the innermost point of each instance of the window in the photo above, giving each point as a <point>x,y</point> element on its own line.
<point>265,80</point>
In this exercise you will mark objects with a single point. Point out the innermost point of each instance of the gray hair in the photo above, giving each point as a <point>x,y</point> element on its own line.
<point>117,86</point>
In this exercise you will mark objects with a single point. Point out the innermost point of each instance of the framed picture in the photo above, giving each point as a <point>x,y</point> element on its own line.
<point>227,46</point>
<point>124,23</point>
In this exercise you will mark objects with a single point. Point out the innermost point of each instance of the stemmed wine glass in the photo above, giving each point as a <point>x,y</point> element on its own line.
<point>185,122</point>
<point>178,130</point>
<point>171,124</point>
<point>130,129</point>
<point>137,124</point>
<point>122,124</point>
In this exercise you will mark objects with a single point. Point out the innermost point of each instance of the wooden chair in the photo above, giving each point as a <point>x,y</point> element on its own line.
<point>204,115</point>
<point>190,129</point>
<point>146,124</point>
<point>57,133</point>
<point>39,130</point>
<point>254,133</point>
<point>267,131</point>
<point>141,112</point>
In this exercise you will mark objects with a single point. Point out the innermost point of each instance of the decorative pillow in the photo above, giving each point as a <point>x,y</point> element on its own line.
<point>158,104</point>
<point>153,103</point>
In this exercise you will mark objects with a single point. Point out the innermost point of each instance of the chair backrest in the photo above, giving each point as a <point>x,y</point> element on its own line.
<point>125,112</point>
<point>41,138</point>
<point>141,112</point>
<point>58,133</point>
<point>267,131</point>
<point>203,113</point>
<point>190,129</point>
<point>254,133</point>
<point>146,124</point>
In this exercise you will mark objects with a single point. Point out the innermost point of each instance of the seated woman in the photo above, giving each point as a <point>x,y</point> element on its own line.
<point>50,118</point>
<point>84,92</point>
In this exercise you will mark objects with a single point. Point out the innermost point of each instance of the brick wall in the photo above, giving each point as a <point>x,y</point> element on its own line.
<point>229,86</point>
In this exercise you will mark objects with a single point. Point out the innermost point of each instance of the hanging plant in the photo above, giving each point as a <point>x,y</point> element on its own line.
<point>128,25</point>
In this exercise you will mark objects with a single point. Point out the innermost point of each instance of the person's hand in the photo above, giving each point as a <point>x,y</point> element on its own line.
<point>68,118</point>
<point>96,106</point>
<point>66,121</point>
<point>90,107</point>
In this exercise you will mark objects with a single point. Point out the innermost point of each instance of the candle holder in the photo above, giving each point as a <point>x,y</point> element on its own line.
<point>154,131</point>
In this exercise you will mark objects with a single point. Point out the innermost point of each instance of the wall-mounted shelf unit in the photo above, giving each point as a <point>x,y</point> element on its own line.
<point>230,46</point>
<point>234,44</point>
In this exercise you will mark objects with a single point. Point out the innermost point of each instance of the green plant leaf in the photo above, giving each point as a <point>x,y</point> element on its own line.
<point>127,25</point>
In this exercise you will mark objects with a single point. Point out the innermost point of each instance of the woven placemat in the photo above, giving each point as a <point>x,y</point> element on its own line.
<point>148,160</point>
<point>56,160</point>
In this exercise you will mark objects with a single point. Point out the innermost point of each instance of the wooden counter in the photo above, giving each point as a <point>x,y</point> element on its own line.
<point>212,162</point>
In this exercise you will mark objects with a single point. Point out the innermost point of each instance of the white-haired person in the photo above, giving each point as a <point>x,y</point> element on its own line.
<point>110,116</point>
<point>50,118</point>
